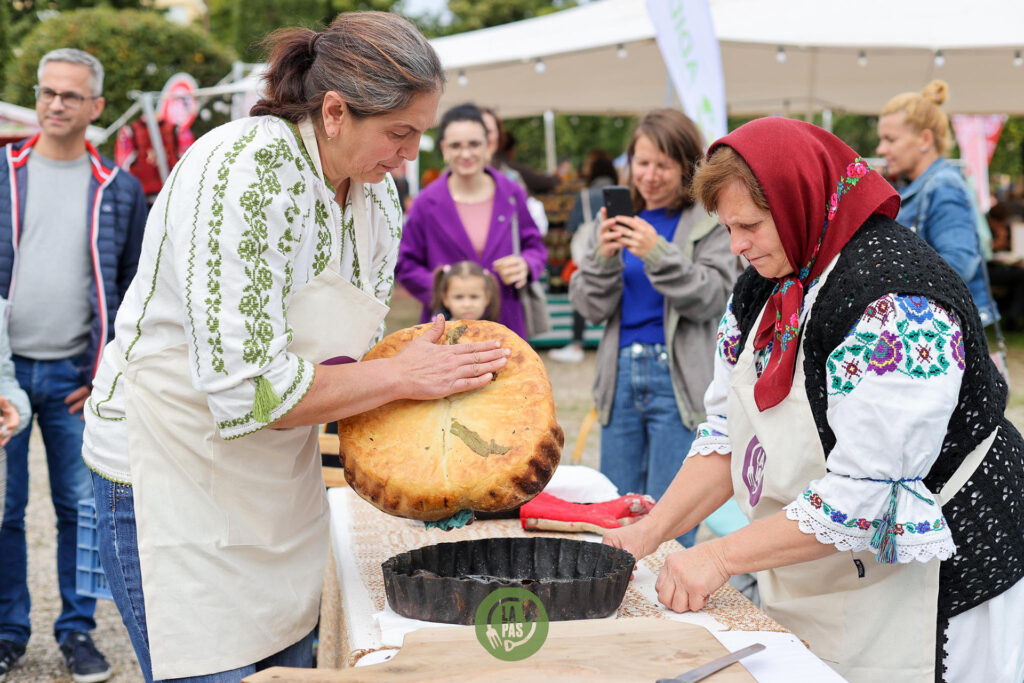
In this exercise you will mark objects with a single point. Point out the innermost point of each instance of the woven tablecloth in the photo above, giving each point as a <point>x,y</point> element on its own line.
<point>363,537</point>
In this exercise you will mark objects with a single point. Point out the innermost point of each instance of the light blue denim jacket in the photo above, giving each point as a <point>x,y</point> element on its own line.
<point>937,206</point>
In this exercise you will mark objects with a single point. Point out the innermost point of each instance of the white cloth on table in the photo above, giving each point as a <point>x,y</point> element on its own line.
<point>366,630</point>
<point>581,484</point>
<point>785,658</point>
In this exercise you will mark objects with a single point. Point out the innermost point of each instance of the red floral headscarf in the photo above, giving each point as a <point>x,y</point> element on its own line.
<point>819,193</point>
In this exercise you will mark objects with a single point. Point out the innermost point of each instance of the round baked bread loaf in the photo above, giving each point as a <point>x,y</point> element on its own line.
<point>488,450</point>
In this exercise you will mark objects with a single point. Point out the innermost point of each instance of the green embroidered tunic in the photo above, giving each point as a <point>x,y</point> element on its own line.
<point>243,222</point>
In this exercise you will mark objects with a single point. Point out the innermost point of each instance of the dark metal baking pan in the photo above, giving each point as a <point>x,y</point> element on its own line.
<point>447,582</point>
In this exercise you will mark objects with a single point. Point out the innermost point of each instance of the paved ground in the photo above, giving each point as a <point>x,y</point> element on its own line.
<point>43,662</point>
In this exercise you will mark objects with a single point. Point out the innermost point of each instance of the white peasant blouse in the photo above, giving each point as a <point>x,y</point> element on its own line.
<point>893,384</point>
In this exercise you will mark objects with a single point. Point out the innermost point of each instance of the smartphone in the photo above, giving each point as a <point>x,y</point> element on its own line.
<point>617,201</point>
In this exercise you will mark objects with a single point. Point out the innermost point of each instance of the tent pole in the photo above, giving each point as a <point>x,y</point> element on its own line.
<point>149,113</point>
<point>670,92</point>
<point>549,139</point>
<point>412,175</point>
<point>810,85</point>
<point>826,119</point>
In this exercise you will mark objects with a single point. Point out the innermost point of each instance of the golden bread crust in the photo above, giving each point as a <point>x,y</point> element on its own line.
<point>490,449</point>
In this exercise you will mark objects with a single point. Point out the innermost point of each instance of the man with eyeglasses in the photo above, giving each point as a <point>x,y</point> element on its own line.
<point>71,230</point>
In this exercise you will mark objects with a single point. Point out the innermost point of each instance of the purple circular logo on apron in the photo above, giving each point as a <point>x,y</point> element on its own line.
<point>753,470</point>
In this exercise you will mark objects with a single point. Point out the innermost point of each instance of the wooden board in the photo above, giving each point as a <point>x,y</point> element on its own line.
<point>620,650</point>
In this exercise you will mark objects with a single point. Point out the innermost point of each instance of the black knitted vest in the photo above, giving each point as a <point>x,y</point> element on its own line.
<point>986,517</point>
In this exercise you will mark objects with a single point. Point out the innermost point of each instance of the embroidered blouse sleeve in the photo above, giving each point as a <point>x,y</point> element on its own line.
<point>713,433</point>
<point>251,229</point>
<point>386,219</point>
<point>893,384</point>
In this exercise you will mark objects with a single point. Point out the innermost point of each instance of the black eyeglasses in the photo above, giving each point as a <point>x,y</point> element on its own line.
<point>71,100</point>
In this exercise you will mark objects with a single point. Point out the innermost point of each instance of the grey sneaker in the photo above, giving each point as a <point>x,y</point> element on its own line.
<point>86,663</point>
<point>10,653</point>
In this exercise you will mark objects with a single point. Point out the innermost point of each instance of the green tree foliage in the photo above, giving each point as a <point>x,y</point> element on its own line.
<point>1009,154</point>
<point>138,50</point>
<point>26,14</point>
<point>243,24</point>
<point>469,15</point>
<point>574,137</point>
<point>5,39</point>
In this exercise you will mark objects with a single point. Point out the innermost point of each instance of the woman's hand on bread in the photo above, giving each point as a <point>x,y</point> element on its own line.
<point>430,370</point>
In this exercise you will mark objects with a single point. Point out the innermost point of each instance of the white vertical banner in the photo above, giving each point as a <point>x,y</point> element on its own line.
<point>688,44</point>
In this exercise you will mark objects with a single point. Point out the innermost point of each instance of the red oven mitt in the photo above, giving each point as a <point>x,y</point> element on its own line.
<point>549,513</point>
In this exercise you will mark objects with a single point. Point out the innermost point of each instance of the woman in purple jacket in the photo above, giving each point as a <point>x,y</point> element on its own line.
<point>466,215</point>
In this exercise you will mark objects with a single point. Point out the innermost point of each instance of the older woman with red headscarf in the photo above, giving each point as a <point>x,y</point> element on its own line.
<point>857,419</point>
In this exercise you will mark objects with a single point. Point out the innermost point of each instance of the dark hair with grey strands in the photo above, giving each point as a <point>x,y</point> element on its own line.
<point>377,61</point>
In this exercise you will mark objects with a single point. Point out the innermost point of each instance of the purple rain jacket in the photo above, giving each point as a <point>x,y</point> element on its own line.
<point>434,236</point>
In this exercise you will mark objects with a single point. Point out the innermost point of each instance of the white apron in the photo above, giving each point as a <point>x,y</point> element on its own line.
<point>233,535</point>
<point>870,621</point>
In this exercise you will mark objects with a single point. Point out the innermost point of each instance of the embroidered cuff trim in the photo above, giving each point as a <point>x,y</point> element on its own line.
<point>909,547</point>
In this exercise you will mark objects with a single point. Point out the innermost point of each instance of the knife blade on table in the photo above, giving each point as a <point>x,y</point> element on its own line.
<point>714,665</point>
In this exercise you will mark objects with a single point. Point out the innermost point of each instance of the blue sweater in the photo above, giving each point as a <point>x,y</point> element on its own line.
<point>643,307</point>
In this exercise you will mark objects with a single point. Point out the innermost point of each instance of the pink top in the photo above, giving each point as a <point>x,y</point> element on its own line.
<point>476,218</point>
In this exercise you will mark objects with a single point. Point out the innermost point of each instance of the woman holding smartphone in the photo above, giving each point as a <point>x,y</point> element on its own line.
<point>659,281</point>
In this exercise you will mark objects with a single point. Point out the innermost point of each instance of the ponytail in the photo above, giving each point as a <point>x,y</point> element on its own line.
<point>377,61</point>
<point>292,54</point>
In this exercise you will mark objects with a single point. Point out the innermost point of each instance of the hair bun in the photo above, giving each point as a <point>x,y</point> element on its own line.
<point>937,91</point>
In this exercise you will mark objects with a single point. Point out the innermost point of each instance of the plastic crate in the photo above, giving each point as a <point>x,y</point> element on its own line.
<point>89,577</point>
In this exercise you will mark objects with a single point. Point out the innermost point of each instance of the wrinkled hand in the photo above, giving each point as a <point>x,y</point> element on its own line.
<point>689,577</point>
<point>638,539</point>
<point>76,400</point>
<point>513,270</point>
<point>637,235</point>
<point>431,370</point>
<point>9,420</point>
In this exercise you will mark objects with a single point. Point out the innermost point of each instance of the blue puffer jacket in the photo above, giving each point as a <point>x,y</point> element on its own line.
<point>116,216</point>
<point>937,206</point>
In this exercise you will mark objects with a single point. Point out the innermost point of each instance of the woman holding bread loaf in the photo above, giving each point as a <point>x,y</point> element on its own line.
<point>267,265</point>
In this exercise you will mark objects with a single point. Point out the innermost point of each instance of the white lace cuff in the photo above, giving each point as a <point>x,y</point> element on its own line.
<point>710,443</point>
<point>919,530</point>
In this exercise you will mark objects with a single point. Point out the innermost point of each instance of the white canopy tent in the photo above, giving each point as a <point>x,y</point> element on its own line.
<point>601,57</point>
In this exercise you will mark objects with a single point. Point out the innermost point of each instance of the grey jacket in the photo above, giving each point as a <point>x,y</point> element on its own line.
<point>695,274</point>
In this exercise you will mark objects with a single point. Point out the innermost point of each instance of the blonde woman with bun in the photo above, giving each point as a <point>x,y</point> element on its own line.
<point>914,139</point>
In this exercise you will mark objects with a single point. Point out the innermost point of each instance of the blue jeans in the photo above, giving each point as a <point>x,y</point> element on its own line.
<point>119,553</point>
<point>644,443</point>
<point>47,384</point>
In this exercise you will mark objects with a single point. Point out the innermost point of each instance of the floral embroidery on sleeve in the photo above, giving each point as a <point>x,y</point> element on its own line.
<point>897,334</point>
<point>728,342</point>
